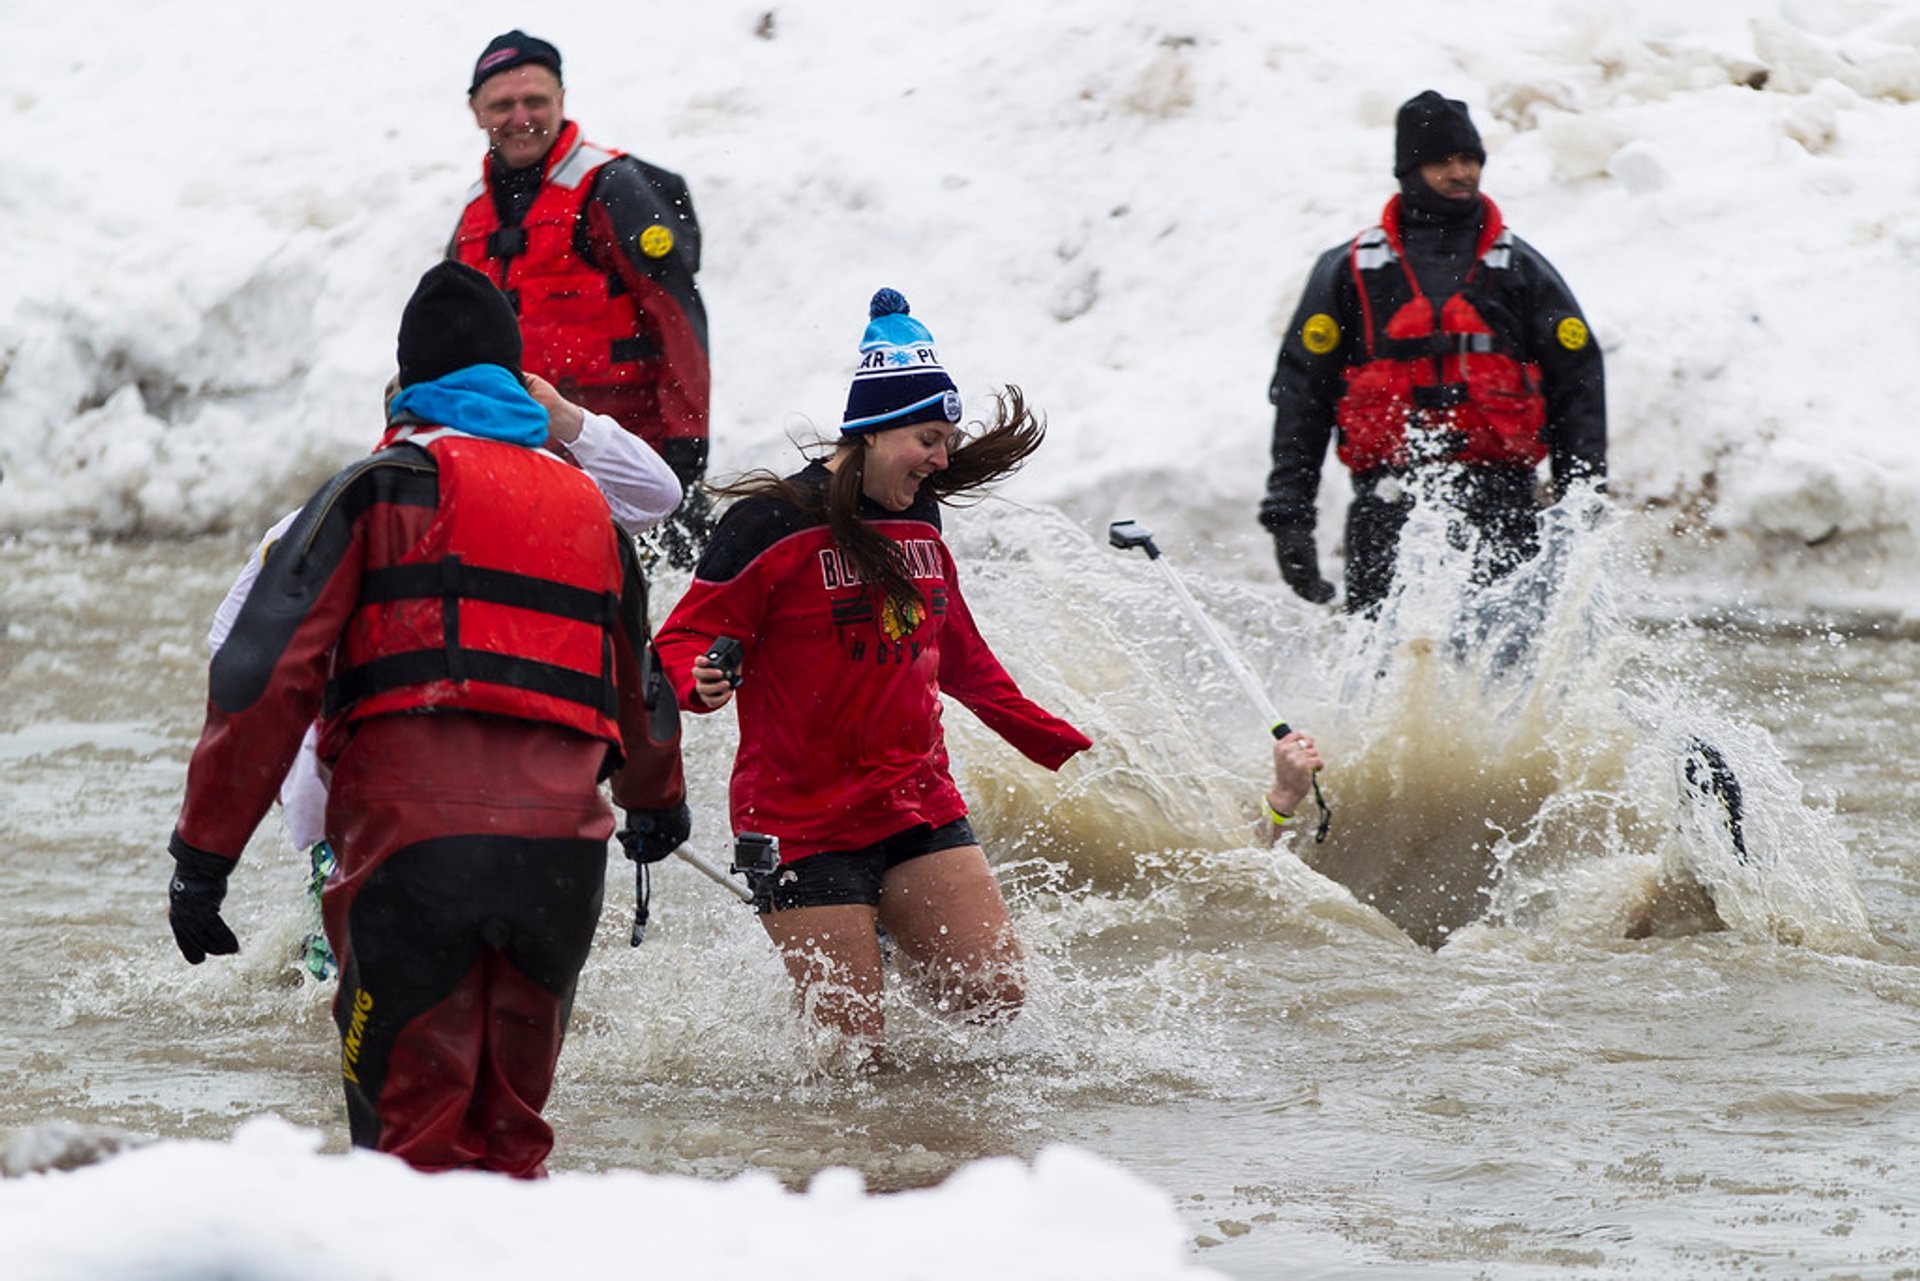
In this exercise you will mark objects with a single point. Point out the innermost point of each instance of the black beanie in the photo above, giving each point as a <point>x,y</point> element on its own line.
<point>456,318</point>
<point>1432,128</point>
<point>513,49</point>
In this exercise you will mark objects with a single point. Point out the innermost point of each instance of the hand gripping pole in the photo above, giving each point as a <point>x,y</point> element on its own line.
<point>1127,535</point>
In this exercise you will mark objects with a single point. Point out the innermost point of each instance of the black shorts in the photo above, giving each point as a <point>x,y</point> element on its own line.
<point>834,878</point>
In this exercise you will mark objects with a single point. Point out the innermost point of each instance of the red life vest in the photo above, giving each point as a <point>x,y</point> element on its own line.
<point>506,606</point>
<point>579,328</point>
<point>1440,371</point>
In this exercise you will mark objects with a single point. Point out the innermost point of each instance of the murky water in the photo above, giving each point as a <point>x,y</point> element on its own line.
<point>1620,1046</point>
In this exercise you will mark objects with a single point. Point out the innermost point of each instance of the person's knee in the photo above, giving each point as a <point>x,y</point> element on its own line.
<point>987,992</point>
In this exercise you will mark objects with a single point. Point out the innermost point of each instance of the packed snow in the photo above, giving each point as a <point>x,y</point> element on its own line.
<point>215,211</point>
<point>267,1205</point>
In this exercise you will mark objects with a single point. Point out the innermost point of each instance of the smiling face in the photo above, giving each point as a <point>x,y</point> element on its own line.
<point>520,110</point>
<point>899,459</point>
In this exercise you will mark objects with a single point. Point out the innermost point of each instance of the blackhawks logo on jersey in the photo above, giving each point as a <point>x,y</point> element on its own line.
<point>901,618</point>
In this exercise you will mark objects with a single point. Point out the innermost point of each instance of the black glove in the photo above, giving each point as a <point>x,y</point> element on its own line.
<point>193,903</point>
<point>1300,563</point>
<point>651,835</point>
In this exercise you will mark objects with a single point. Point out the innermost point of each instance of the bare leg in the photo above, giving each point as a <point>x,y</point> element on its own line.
<point>833,956</point>
<point>946,913</point>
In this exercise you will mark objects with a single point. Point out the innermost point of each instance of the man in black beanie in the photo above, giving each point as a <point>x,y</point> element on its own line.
<point>461,616</point>
<point>597,252</point>
<point>456,318</point>
<point>1439,347</point>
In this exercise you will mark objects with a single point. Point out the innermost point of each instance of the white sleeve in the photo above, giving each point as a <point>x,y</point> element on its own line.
<point>303,795</point>
<point>639,487</point>
<point>229,609</point>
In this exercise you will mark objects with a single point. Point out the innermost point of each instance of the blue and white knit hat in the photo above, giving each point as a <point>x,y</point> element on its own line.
<point>899,380</point>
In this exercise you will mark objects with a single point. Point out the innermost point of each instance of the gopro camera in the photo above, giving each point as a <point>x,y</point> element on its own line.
<point>725,654</point>
<point>1129,534</point>
<point>755,855</point>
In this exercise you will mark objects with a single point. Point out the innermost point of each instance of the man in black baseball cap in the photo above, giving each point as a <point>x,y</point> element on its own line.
<point>597,251</point>
<point>1451,359</point>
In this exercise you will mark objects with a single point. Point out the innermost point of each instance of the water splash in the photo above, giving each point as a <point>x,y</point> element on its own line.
<point>1504,755</point>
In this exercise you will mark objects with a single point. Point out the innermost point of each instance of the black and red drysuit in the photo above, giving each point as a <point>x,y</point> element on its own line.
<point>470,627</point>
<point>1436,337</point>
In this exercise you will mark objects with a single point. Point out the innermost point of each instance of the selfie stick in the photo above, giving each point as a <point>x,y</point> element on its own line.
<point>714,874</point>
<point>1127,535</point>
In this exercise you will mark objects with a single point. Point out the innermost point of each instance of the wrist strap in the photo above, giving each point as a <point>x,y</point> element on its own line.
<point>1274,816</point>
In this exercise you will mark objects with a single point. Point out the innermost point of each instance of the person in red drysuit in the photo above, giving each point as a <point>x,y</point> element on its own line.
<point>467,623</point>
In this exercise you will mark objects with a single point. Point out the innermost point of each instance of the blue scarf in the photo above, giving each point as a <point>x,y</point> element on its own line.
<point>481,400</point>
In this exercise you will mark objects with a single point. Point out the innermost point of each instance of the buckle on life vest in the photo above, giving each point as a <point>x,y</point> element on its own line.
<point>507,242</point>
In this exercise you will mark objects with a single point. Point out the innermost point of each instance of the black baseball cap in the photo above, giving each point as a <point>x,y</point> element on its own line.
<point>513,49</point>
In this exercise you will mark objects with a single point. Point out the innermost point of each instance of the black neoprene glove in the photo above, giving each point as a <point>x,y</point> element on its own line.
<point>194,896</point>
<point>1300,563</point>
<point>651,835</point>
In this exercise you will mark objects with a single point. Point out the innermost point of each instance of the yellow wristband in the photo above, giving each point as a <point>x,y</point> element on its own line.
<point>1274,816</point>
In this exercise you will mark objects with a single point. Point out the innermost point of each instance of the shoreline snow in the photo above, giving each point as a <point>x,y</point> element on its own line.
<point>1109,204</point>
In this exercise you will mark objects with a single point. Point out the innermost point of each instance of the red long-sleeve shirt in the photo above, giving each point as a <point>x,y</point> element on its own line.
<point>840,735</point>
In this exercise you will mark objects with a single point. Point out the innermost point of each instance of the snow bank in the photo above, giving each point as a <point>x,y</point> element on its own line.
<point>268,1206</point>
<point>216,210</point>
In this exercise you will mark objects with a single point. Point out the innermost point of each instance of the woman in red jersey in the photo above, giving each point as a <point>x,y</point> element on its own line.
<point>847,607</point>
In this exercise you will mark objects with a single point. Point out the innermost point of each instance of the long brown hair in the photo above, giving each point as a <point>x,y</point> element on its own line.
<point>999,448</point>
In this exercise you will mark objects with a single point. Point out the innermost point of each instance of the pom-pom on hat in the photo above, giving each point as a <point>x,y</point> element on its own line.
<point>899,380</point>
<point>1431,128</point>
<point>509,50</point>
<point>456,318</point>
